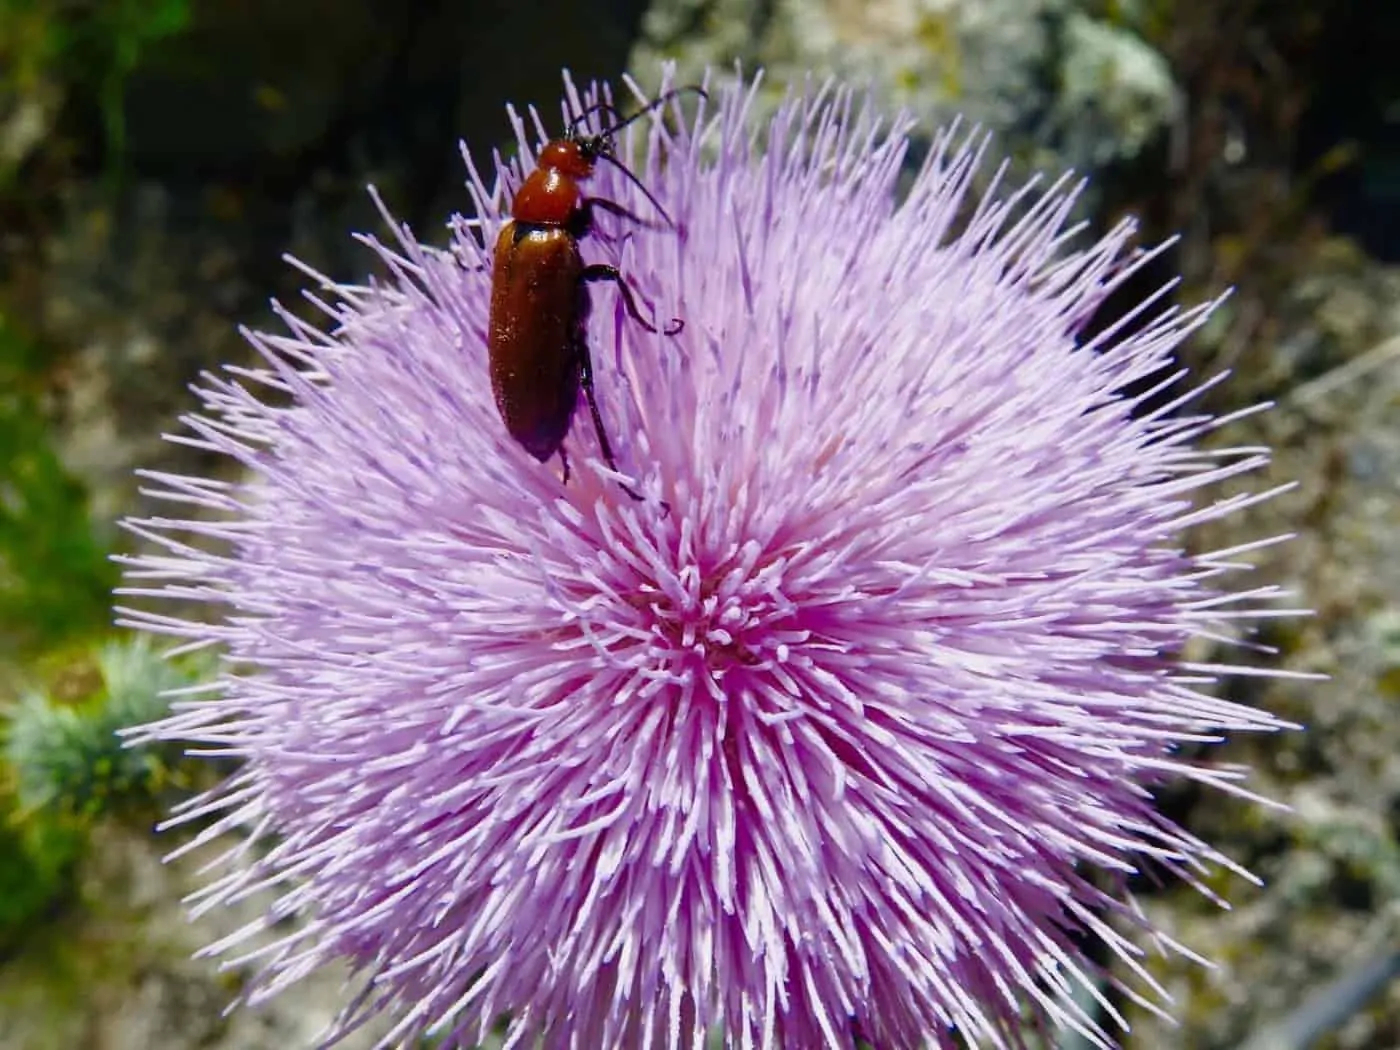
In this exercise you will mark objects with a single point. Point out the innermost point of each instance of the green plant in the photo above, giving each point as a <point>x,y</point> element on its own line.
<point>67,756</point>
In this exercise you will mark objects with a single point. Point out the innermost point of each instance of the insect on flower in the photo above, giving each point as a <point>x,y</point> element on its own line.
<point>539,290</point>
<point>861,744</point>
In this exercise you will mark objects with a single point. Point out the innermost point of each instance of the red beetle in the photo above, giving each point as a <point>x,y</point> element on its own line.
<point>539,293</point>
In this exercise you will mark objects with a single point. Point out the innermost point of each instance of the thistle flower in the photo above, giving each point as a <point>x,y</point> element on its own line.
<point>851,725</point>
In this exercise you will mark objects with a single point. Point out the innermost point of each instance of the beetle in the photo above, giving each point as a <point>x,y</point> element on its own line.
<point>540,301</point>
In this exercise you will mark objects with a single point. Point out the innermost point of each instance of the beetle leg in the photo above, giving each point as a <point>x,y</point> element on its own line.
<point>585,380</point>
<point>564,459</point>
<point>613,208</point>
<point>604,272</point>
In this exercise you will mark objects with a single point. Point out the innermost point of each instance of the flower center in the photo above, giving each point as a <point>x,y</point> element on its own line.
<point>720,631</point>
<point>731,615</point>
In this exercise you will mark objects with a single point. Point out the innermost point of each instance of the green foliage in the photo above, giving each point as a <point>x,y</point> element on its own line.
<point>55,576</point>
<point>67,757</point>
<point>92,46</point>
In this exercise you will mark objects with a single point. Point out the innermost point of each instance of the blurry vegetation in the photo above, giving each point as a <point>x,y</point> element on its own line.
<point>36,864</point>
<point>63,766</point>
<point>65,752</point>
<point>55,576</point>
<point>90,47</point>
<point>66,686</point>
<point>75,56</point>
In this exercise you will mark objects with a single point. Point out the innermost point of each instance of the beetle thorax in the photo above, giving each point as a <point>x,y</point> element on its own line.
<point>550,197</point>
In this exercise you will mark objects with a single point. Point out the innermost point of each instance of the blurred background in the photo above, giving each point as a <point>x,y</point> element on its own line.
<point>158,156</point>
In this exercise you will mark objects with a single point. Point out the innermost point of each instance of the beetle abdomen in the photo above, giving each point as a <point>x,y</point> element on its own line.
<point>535,314</point>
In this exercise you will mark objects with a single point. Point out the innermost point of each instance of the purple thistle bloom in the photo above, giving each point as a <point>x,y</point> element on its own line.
<point>854,733</point>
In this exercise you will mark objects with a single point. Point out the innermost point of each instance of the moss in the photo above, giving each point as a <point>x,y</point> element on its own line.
<point>37,858</point>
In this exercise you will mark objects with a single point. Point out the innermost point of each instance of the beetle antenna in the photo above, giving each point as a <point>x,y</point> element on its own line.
<point>655,103</point>
<point>632,178</point>
<point>573,124</point>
